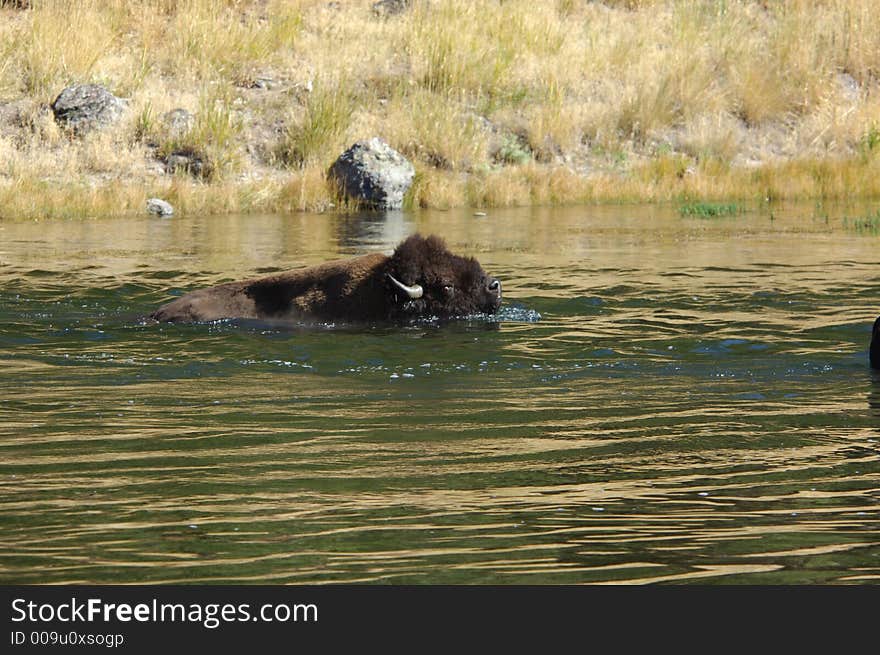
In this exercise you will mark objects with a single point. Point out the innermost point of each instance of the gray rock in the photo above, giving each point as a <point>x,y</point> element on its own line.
<point>848,87</point>
<point>265,83</point>
<point>159,207</point>
<point>16,115</point>
<point>85,107</point>
<point>177,121</point>
<point>188,161</point>
<point>374,174</point>
<point>385,8</point>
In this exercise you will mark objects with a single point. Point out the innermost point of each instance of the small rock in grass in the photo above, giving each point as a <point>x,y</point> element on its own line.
<point>159,207</point>
<point>178,121</point>
<point>386,8</point>
<point>189,161</point>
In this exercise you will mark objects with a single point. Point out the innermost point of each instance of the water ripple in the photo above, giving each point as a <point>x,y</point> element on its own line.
<point>684,402</point>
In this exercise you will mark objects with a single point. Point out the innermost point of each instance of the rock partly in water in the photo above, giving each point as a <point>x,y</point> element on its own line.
<point>374,174</point>
<point>85,107</point>
<point>159,207</point>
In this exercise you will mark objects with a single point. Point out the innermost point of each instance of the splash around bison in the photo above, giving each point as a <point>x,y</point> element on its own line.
<point>422,278</point>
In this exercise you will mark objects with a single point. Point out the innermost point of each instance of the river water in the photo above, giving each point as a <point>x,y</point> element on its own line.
<point>661,399</point>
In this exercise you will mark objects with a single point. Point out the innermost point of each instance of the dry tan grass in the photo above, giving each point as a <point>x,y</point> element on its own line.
<point>497,103</point>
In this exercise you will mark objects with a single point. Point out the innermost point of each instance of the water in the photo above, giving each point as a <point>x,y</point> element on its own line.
<point>662,399</point>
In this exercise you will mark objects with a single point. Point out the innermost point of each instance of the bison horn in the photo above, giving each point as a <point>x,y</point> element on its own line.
<point>414,292</point>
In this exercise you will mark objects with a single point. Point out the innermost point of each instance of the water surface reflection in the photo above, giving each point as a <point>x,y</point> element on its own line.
<point>662,399</point>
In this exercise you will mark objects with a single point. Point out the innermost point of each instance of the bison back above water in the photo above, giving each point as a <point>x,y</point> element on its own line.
<point>421,278</point>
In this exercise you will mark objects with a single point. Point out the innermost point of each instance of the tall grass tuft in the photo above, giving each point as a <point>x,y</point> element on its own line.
<point>228,39</point>
<point>312,135</point>
<point>435,129</point>
<point>63,42</point>
<point>214,138</point>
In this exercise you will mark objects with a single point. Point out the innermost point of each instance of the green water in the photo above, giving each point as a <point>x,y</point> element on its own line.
<point>663,398</point>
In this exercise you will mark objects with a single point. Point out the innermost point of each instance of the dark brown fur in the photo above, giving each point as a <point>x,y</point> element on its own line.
<point>351,290</point>
<point>874,349</point>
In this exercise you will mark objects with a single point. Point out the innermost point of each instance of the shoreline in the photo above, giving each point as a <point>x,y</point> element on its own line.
<point>242,107</point>
<point>656,182</point>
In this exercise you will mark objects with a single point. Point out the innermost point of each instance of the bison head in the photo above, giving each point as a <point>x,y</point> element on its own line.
<point>425,279</point>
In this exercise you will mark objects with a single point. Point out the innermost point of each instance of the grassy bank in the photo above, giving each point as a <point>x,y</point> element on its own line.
<point>496,103</point>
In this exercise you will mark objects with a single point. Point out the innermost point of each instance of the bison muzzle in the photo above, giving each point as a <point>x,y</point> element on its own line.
<point>420,279</point>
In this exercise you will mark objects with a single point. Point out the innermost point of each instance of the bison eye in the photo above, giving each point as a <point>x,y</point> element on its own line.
<point>448,289</point>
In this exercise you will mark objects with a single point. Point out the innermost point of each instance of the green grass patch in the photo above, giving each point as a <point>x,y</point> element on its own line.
<point>870,141</point>
<point>513,150</point>
<point>710,209</point>
<point>869,224</point>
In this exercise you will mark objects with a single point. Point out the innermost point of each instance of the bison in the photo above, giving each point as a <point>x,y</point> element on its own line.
<point>874,351</point>
<point>420,279</point>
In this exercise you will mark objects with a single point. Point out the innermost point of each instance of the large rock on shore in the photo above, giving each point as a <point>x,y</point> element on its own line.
<point>85,107</point>
<point>374,174</point>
